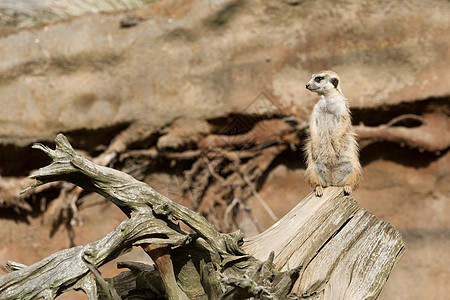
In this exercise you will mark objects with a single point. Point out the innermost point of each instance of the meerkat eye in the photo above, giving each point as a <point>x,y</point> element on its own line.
<point>318,79</point>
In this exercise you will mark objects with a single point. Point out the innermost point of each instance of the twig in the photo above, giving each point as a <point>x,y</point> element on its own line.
<point>72,199</point>
<point>211,169</point>
<point>108,288</point>
<point>230,207</point>
<point>255,193</point>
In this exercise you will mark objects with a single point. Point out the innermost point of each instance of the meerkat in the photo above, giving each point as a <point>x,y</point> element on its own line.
<point>332,153</point>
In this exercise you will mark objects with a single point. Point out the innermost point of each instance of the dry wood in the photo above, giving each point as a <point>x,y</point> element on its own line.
<point>325,248</point>
<point>344,251</point>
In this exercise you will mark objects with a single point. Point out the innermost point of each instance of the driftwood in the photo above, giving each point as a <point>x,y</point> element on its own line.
<point>325,248</point>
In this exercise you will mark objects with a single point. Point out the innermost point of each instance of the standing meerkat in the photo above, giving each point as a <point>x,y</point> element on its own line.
<point>331,148</point>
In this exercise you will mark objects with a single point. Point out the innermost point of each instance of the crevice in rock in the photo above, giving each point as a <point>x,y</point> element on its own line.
<point>19,161</point>
<point>422,125</point>
<point>145,143</point>
<point>94,141</point>
<point>30,205</point>
<point>396,153</point>
<point>385,113</point>
<point>292,159</point>
<point>237,123</point>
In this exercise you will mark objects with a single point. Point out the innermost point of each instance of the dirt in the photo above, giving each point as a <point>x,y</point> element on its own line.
<point>206,103</point>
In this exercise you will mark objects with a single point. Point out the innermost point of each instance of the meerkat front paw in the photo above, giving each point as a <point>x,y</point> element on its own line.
<point>319,191</point>
<point>347,190</point>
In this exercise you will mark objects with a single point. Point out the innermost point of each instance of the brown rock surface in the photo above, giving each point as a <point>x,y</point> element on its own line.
<point>211,94</point>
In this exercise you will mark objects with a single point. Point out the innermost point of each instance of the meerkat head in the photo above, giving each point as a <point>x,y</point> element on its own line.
<point>324,83</point>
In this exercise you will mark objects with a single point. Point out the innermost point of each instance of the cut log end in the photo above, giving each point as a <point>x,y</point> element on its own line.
<point>342,249</point>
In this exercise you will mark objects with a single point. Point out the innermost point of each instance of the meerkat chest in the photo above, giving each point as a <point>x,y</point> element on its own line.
<point>327,113</point>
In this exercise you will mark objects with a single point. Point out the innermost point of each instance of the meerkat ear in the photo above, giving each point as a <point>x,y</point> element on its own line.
<point>334,81</point>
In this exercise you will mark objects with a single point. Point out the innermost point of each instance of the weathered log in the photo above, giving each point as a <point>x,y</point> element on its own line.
<point>336,249</point>
<point>344,251</point>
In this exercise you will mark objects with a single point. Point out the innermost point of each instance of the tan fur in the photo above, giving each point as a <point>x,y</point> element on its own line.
<point>331,148</point>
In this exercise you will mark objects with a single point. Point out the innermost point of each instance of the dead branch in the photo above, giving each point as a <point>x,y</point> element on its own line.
<point>66,270</point>
<point>429,136</point>
<point>331,236</point>
<point>151,224</point>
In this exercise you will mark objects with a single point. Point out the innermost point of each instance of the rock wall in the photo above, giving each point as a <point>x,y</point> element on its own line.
<point>205,101</point>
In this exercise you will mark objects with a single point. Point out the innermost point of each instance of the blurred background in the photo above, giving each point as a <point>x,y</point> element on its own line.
<point>206,102</point>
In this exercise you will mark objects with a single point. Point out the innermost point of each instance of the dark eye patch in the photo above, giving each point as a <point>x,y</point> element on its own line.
<point>335,82</point>
<point>318,79</point>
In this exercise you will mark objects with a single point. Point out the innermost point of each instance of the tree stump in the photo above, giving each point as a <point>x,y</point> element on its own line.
<point>344,251</point>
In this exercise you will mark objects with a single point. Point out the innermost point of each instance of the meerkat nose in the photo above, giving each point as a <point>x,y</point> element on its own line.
<point>307,86</point>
